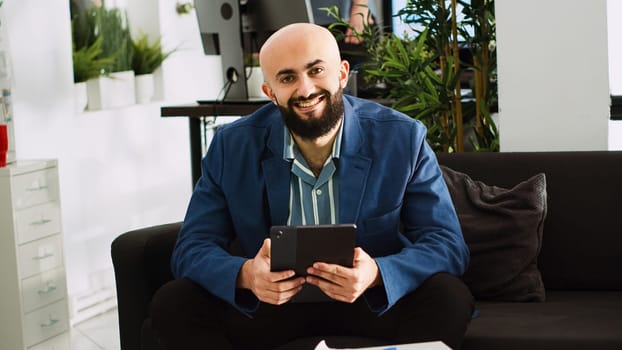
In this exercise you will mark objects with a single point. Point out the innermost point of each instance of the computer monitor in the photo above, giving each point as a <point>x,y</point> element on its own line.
<point>233,28</point>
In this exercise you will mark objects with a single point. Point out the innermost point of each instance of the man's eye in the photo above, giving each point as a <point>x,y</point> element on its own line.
<point>287,79</point>
<point>317,70</point>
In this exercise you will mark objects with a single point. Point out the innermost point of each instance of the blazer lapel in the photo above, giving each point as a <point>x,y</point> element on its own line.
<point>277,173</point>
<point>353,175</point>
<point>354,167</point>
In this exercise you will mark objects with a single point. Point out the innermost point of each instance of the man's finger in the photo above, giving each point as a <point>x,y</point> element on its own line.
<point>264,251</point>
<point>357,254</point>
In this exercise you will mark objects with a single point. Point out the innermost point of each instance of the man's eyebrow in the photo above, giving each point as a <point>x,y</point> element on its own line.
<point>311,64</point>
<point>287,71</point>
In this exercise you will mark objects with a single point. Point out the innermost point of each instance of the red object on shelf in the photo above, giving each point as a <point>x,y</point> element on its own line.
<point>4,144</point>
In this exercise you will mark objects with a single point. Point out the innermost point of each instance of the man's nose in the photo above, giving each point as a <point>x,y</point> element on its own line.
<point>306,86</point>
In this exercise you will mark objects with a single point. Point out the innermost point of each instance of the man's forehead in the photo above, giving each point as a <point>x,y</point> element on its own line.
<point>290,70</point>
<point>298,51</point>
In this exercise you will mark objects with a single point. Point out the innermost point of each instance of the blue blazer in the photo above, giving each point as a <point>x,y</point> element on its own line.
<point>390,186</point>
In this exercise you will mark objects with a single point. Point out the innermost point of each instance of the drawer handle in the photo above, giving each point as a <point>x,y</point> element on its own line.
<point>44,256</point>
<point>37,188</point>
<point>51,322</point>
<point>49,288</point>
<point>40,222</point>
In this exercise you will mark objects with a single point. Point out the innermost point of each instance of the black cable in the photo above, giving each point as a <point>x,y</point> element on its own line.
<point>230,83</point>
<point>226,89</point>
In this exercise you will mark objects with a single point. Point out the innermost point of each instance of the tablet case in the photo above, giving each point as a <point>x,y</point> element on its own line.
<point>298,247</point>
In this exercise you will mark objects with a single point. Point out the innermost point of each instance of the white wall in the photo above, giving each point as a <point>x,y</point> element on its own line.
<point>120,169</point>
<point>553,75</point>
<point>614,28</point>
<point>188,73</point>
<point>614,25</point>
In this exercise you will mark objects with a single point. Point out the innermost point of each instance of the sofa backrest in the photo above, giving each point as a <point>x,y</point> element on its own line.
<point>582,238</point>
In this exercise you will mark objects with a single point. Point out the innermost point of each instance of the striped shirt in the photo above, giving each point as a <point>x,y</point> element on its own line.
<point>312,201</point>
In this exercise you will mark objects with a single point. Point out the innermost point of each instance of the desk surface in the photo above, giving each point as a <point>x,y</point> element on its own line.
<point>217,108</point>
<point>224,108</point>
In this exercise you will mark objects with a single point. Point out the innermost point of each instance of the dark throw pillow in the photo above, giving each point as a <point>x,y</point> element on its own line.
<point>503,230</point>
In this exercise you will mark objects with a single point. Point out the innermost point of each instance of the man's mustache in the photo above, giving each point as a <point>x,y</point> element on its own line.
<point>307,98</point>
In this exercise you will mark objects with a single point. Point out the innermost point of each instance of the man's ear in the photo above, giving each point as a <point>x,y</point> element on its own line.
<point>268,92</point>
<point>344,71</point>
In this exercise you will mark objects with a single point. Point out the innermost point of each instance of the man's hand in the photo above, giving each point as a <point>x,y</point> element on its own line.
<point>270,287</point>
<point>344,283</point>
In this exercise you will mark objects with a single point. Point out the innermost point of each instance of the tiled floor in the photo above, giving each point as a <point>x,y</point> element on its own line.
<point>97,333</point>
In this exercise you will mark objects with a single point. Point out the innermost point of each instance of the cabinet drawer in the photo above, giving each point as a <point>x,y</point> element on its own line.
<point>37,222</point>
<point>43,289</point>
<point>45,323</point>
<point>35,188</point>
<point>41,255</point>
<point>60,342</point>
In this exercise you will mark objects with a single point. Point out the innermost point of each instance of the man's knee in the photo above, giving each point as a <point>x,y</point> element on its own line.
<point>440,297</point>
<point>449,290</point>
<point>184,315</point>
<point>440,309</point>
<point>170,297</point>
<point>176,301</point>
<point>449,306</point>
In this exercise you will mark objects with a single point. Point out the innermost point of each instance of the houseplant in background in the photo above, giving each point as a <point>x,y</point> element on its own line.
<point>147,57</point>
<point>87,64</point>
<point>426,76</point>
<point>114,87</point>
<point>254,76</point>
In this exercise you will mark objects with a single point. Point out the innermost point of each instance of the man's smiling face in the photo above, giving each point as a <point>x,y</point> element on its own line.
<point>305,78</point>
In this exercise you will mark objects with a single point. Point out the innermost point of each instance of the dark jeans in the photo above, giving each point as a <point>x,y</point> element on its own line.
<point>186,316</point>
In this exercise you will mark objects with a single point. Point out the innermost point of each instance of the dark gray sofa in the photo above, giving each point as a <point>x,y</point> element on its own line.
<point>580,260</point>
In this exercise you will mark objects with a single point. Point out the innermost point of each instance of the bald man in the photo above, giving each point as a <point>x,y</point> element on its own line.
<point>316,156</point>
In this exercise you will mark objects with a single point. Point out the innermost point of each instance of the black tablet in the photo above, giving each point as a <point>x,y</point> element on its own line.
<point>298,247</point>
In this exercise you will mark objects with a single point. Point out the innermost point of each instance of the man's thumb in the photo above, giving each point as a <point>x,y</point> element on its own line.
<point>265,248</point>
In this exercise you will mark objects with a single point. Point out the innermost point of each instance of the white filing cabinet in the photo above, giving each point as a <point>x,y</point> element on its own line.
<point>33,291</point>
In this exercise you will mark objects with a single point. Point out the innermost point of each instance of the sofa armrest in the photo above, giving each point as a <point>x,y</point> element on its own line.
<point>141,260</point>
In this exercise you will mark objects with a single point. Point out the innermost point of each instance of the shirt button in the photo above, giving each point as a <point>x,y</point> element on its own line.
<point>318,192</point>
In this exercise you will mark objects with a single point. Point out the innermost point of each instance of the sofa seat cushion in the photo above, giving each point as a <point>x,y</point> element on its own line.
<point>566,320</point>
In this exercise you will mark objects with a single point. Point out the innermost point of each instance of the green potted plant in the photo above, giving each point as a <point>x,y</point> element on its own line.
<point>254,76</point>
<point>114,87</point>
<point>87,64</point>
<point>112,25</point>
<point>423,71</point>
<point>147,57</point>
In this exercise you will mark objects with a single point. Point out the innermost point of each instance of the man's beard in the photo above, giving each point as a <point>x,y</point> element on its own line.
<point>314,127</point>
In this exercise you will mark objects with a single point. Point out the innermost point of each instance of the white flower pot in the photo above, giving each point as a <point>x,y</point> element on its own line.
<point>80,96</point>
<point>116,90</point>
<point>144,85</point>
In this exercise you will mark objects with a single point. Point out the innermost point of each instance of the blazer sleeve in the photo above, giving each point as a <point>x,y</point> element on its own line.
<point>432,236</point>
<point>201,252</point>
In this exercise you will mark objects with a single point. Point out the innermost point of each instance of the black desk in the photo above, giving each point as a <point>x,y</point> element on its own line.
<point>198,115</point>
